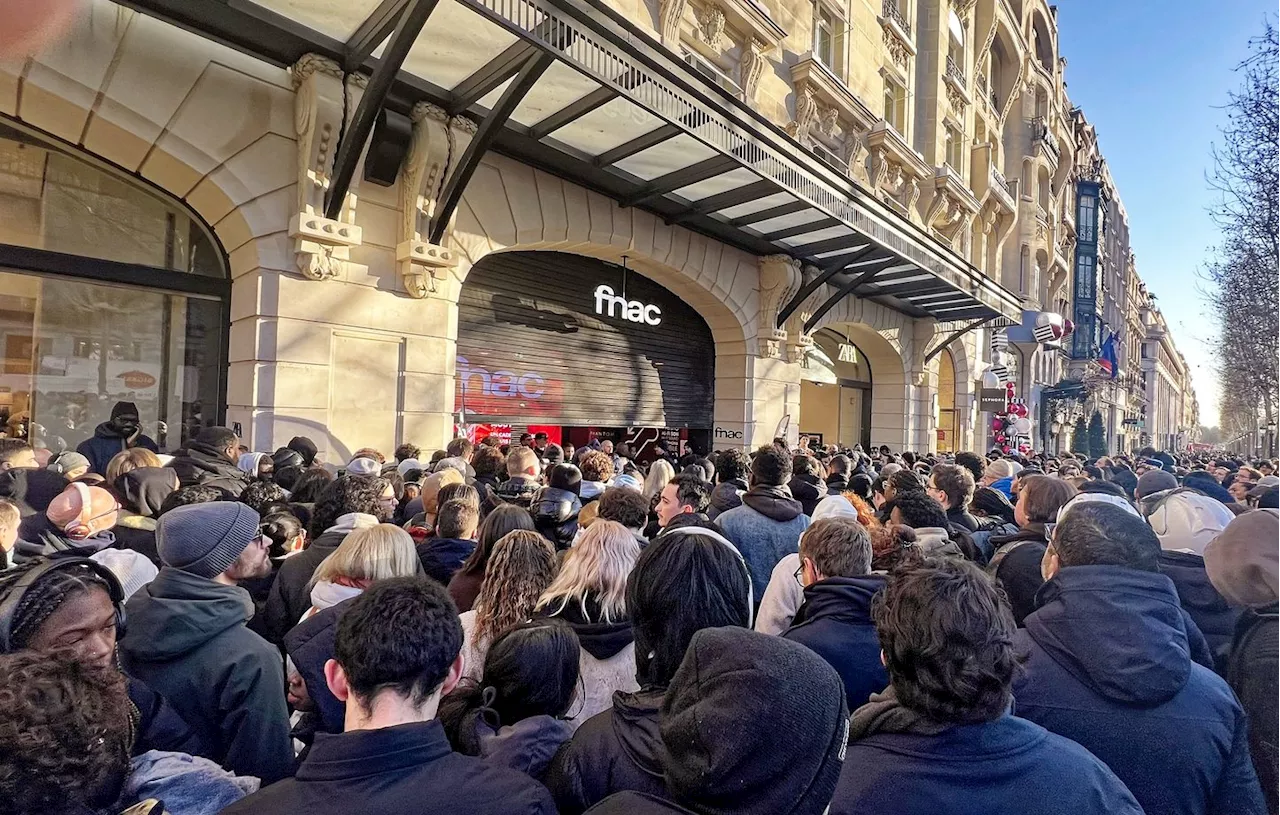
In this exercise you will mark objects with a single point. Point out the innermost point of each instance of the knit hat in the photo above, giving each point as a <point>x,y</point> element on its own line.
<point>1153,481</point>
<point>565,477</point>
<point>64,463</point>
<point>787,695</point>
<point>131,568</point>
<point>408,464</point>
<point>82,511</point>
<point>124,409</point>
<point>305,447</point>
<point>363,466</point>
<point>205,539</point>
<point>1243,561</point>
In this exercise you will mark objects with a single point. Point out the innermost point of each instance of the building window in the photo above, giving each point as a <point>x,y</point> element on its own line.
<point>1086,281</point>
<point>828,39</point>
<point>1087,219</point>
<point>895,105</point>
<point>955,148</point>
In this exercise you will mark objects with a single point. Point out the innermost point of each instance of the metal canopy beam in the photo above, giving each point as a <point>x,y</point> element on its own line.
<point>731,198</point>
<point>801,229</point>
<point>790,208</point>
<point>830,245</point>
<point>370,34</point>
<point>701,171</point>
<point>572,112</point>
<point>843,292</point>
<point>642,142</point>
<point>923,287</point>
<point>955,335</point>
<point>412,18</point>
<point>490,76</point>
<point>533,68</point>
<point>817,282</point>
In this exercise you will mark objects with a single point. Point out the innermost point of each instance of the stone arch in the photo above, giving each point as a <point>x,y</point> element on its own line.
<point>1043,41</point>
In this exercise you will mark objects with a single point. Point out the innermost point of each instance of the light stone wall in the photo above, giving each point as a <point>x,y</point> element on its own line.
<point>353,361</point>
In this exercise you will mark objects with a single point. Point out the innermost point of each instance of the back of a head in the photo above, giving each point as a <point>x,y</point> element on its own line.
<point>216,438</point>
<point>488,462</point>
<point>400,637</point>
<point>1098,485</point>
<point>732,465</point>
<point>840,465</point>
<point>522,461</point>
<point>626,506</point>
<point>804,465</point>
<point>597,566</point>
<point>1099,533</point>
<point>904,480</point>
<point>974,463</point>
<point>65,727</point>
<point>838,547</point>
<point>771,467</point>
<point>947,639</point>
<point>565,477</point>
<point>919,510</point>
<point>459,448</point>
<point>684,581</point>
<point>127,460</point>
<point>1243,563</point>
<point>520,568</point>
<point>368,554</point>
<point>352,493</point>
<point>716,765</point>
<point>596,466</point>
<point>458,518</point>
<point>1042,496</point>
<point>860,485</point>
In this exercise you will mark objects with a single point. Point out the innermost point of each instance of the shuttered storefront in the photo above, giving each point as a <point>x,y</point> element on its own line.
<point>532,349</point>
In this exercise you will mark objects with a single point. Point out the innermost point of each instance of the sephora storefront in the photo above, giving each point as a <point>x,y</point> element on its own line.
<point>581,349</point>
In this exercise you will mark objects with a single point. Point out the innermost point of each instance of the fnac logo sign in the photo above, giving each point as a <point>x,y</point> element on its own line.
<point>506,393</point>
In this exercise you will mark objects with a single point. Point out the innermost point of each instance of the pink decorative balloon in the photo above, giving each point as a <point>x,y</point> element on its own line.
<point>31,25</point>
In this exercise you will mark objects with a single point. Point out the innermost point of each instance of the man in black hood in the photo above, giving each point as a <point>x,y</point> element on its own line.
<point>732,467</point>
<point>122,432</point>
<point>839,470</point>
<point>306,448</point>
<point>806,483</point>
<point>210,460</point>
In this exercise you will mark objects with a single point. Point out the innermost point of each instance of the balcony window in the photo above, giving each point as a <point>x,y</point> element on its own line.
<point>895,105</point>
<point>955,149</point>
<point>828,39</point>
<point>1087,219</point>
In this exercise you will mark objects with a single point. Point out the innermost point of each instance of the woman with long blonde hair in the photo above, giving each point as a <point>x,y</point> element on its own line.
<point>660,474</point>
<point>590,594</point>
<point>365,555</point>
<point>521,567</point>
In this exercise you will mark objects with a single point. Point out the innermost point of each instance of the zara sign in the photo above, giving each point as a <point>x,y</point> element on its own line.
<point>631,310</point>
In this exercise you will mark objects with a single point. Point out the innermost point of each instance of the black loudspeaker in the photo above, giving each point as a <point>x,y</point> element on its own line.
<point>387,147</point>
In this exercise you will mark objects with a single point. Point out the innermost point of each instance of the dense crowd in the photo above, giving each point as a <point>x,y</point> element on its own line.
<point>533,628</point>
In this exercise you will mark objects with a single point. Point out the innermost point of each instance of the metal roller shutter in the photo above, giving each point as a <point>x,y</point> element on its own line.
<point>533,350</point>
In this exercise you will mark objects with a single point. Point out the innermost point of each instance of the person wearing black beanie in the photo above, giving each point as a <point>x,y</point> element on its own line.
<point>306,448</point>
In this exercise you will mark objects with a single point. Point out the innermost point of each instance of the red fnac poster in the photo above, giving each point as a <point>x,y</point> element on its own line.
<point>481,392</point>
<point>477,433</point>
<point>553,431</point>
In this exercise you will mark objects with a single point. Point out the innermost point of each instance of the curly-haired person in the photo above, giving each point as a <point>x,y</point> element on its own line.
<point>943,730</point>
<point>67,726</point>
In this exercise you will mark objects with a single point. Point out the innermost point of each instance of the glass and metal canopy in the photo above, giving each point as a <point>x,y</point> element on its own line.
<point>572,87</point>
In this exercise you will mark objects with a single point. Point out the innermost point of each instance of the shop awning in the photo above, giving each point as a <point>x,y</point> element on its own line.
<point>572,87</point>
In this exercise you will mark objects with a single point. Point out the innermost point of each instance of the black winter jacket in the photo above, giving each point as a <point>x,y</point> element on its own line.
<point>619,749</point>
<point>1015,564</point>
<point>159,725</point>
<point>555,515</point>
<point>834,621</point>
<point>408,768</point>
<point>442,557</point>
<point>808,490</point>
<point>106,442</point>
<point>289,598</point>
<point>1213,616</point>
<point>310,645</point>
<point>725,497</point>
<point>207,467</point>
<point>1252,674</point>
<point>187,640</point>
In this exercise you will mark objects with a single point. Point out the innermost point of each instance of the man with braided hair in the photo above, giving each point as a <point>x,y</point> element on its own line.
<point>69,610</point>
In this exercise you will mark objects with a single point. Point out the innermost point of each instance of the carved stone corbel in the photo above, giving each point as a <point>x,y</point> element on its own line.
<point>670,13</point>
<point>922,333</point>
<point>855,156</point>
<point>807,111</point>
<point>780,279</point>
<point>751,67</point>
<point>320,244</point>
<point>421,179</point>
<point>800,341</point>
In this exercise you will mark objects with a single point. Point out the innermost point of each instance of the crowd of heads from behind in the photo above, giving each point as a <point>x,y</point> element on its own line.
<point>616,628</point>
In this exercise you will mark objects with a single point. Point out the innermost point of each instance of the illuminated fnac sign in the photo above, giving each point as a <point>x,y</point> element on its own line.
<point>505,392</point>
<point>611,305</point>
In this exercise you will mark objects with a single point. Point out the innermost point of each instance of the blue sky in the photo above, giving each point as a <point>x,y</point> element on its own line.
<point>1152,77</point>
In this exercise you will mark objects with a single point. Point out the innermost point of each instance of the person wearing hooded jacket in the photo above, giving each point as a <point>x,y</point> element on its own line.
<point>121,432</point>
<point>732,468</point>
<point>1243,564</point>
<point>31,490</point>
<point>835,619</point>
<point>77,522</point>
<point>555,507</point>
<point>589,594</point>
<point>687,579</point>
<point>942,737</point>
<point>768,525</point>
<point>142,493</point>
<point>188,641</point>
<point>211,460</point>
<point>1108,665</point>
<point>1186,521</point>
<point>713,763</point>
<point>806,484</point>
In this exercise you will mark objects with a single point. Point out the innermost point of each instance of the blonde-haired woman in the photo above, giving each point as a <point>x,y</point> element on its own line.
<point>590,594</point>
<point>365,555</point>
<point>126,461</point>
<point>520,569</point>
<point>660,474</point>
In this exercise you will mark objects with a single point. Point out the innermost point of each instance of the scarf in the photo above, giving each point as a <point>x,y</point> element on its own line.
<point>885,714</point>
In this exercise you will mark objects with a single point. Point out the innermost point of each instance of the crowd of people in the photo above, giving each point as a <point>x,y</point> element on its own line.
<point>533,628</point>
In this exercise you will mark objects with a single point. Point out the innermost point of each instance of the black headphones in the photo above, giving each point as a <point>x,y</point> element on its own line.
<point>9,606</point>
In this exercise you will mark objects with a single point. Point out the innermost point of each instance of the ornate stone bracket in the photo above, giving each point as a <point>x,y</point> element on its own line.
<point>751,67</point>
<point>320,244</point>
<point>780,279</point>
<point>800,341</point>
<point>896,169</point>
<point>670,13</point>
<point>953,206</point>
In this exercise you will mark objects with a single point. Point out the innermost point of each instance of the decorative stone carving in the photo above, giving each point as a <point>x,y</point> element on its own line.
<point>897,49</point>
<point>421,180</point>
<point>711,24</point>
<point>800,341</point>
<point>320,244</point>
<point>751,67</point>
<point>807,112</point>
<point>955,98</point>
<point>855,155</point>
<point>670,12</point>
<point>780,279</point>
<point>828,122</point>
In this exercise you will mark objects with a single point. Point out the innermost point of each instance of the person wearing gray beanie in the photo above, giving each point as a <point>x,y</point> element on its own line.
<point>187,638</point>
